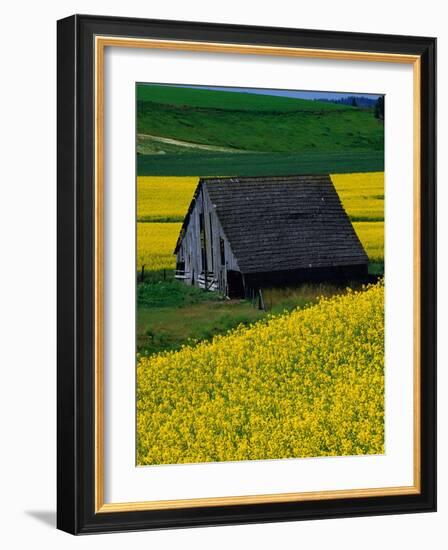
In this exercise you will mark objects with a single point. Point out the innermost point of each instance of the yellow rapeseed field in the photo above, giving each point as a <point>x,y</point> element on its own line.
<point>159,197</point>
<point>155,245</point>
<point>308,383</point>
<point>362,195</point>
<point>371,235</point>
<point>164,198</point>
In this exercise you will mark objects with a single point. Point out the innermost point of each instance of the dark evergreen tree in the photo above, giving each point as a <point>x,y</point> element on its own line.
<point>379,108</point>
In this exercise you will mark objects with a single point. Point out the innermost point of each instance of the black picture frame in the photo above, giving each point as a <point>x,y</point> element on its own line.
<point>76,512</point>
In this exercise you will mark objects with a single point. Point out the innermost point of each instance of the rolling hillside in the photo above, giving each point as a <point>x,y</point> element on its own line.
<point>223,100</point>
<point>183,131</point>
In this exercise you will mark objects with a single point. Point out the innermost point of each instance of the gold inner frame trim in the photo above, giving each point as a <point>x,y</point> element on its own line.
<point>101,42</point>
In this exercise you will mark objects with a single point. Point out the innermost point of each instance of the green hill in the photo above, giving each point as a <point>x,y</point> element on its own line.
<point>205,128</point>
<point>223,100</point>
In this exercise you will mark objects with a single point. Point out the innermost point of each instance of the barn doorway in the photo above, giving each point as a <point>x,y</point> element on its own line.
<point>235,284</point>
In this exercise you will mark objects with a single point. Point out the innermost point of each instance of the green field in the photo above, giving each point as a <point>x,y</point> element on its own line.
<point>171,314</point>
<point>227,101</point>
<point>259,164</point>
<point>176,125</point>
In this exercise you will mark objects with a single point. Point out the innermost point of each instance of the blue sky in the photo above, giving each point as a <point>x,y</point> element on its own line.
<point>286,93</point>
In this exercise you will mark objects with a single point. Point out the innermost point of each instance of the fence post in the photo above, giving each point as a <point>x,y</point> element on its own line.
<point>260,300</point>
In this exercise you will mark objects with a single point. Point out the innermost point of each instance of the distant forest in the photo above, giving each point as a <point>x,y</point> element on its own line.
<point>361,102</point>
<point>354,101</point>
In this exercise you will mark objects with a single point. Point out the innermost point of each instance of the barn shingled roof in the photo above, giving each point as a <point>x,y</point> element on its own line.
<point>284,222</point>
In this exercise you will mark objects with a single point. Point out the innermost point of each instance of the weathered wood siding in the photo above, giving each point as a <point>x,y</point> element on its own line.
<point>189,253</point>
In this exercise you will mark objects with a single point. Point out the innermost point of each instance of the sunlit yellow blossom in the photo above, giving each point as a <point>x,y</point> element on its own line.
<point>155,245</point>
<point>362,195</point>
<point>307,383</point>
<point>164,198</point>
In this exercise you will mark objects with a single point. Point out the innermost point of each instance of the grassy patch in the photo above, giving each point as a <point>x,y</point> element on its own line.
<point>223,100</point>
<point>171,293</point>
<point>169,328</point>
<point>278,300</point>
<point>148,146</point>
<point>376,269</point>
<point>295,132</point>
<point>259,164</point>
<point>171,314</point>
<point>253,122</point>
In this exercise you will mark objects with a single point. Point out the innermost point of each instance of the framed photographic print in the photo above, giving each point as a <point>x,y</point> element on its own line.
<point>246,274</point>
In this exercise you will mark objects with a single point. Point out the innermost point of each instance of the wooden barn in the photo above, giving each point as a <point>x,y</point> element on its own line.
<point>242,234</point>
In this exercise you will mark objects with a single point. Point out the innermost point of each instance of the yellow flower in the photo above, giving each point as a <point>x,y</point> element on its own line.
<point>301,384</point>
